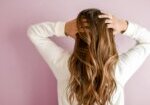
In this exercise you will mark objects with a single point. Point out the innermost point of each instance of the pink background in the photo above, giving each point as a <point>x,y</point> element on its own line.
<point>25,78</point>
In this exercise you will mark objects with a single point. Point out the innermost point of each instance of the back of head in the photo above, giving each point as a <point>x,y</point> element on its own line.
<point>93,60</point>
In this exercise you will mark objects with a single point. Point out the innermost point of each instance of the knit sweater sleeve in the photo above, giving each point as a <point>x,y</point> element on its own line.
<point>131,61</point>
<point>54,55</point>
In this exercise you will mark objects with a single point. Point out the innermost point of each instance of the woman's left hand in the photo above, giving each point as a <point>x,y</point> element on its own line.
<point>118,25</point>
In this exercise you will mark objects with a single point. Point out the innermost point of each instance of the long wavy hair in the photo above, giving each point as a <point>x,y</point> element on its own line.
<point>93,61</point>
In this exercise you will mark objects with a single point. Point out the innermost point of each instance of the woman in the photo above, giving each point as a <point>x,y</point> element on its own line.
<point>94,73</point>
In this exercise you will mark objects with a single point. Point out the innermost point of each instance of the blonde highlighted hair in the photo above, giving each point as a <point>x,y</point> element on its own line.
<point>93,60</point>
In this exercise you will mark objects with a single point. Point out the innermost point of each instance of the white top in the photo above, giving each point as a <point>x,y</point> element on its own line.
<point>56,57</point>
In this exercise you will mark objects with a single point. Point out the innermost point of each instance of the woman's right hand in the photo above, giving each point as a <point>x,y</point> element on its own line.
<point>71,28</point>
<point>118,25</point>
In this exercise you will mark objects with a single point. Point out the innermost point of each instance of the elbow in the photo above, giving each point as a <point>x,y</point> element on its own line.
<point>30,31</point>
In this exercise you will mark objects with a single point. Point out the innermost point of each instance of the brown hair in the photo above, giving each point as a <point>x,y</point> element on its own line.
<point>93,60</point>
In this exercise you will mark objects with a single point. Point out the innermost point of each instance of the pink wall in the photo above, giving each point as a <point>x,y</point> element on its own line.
<point>25,78</point>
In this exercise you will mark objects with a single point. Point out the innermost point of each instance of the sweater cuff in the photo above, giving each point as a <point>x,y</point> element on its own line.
<point>130,29</point>
<point>60,28</point>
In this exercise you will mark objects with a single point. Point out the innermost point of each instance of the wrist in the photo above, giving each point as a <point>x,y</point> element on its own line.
<point>124,26</point>
<point>66,28</point>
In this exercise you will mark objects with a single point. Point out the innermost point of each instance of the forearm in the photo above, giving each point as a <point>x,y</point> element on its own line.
<point>46,29</point>
<point>137,32</point>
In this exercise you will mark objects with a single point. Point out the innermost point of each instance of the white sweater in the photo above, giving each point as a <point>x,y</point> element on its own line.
<point>56,57</point>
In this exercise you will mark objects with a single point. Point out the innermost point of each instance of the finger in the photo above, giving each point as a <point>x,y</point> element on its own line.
<point>110,26</point>
<point>105,16</point>
<point>108,21</point>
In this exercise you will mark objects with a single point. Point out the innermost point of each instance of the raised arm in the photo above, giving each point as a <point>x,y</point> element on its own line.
<point>54,55</point>
<point>131,60</point>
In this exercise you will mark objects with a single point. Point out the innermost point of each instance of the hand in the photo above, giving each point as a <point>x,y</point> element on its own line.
<point>71,28</point>
<point>118,25</point>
